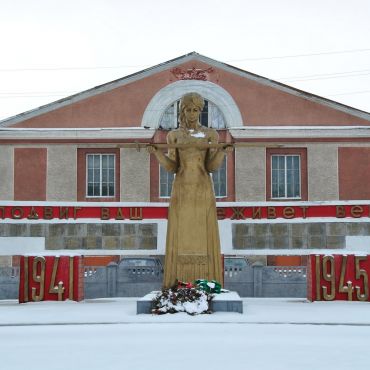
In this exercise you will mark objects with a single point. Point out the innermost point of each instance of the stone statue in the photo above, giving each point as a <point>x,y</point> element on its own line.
<point>193,244</point>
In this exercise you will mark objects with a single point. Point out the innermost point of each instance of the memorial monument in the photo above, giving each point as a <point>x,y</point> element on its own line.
<point>193,243</point>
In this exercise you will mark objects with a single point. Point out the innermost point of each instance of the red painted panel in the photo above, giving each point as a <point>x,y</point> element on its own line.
<point>284,211</point>
<point>354,173</point>
<point>100,260</point>
<point>338,277</point>
<point>30,173</point>
<point>51,278</point>
<point>287,261</point>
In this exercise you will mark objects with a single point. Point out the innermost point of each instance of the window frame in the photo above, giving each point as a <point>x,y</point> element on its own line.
<point>285,156</point>
<point>159,183</point>
<point>302,153</point>
<point>226,174</point>
<point>82,154</point>
<point>100,175</point>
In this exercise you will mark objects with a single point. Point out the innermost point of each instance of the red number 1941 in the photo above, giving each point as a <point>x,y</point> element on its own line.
<point>50,278</point>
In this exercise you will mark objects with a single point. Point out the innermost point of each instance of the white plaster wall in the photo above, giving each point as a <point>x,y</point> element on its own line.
<point>5,261</point>
<point>61,173</point>
<point>359,244</point>
<point>135,175</point>
<point>322,163</point>
<point>250,174</point>
<point>11,246</point>
<point>6,172</point>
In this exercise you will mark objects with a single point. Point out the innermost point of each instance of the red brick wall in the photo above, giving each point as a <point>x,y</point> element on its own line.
<point>258,103</point>
<point>30,173</point>
<point>354,173</point>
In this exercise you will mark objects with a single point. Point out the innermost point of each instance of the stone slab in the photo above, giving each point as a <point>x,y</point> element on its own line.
<point>224,302</point>
<point>227,302</point>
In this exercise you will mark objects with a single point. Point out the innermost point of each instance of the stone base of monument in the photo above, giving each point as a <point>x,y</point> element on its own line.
<point>223,302</point>
<point>227,302</point>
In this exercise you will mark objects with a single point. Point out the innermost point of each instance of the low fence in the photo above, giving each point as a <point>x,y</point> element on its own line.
<point>249,281</point>
<point>258,280</point>
<point>135,281</point>
<point>117,281</point>
<point>282,282</point>
<point>9,282</point>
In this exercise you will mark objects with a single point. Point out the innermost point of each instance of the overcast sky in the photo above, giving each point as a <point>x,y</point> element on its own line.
<point>51,49</point>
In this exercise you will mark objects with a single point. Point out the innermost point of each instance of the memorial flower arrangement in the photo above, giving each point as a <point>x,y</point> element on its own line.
<point>192,298</point>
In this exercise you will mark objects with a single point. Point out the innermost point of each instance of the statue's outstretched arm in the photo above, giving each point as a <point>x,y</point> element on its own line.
<point>215,157</point>
<point>170,161</point>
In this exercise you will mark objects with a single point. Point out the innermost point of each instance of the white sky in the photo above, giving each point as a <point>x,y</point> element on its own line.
<point>51,49</point>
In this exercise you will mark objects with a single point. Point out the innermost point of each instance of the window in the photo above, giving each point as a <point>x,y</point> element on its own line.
<point>219,181</point>
<point>100,175</point>
<point>166,180</point>
<point>286,174</point>
<point>211,116</point>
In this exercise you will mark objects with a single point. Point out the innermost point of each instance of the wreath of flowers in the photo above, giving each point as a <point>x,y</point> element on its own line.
<point>192,298</point>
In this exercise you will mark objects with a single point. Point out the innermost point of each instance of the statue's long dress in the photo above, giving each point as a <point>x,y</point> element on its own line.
<point>193,244</point>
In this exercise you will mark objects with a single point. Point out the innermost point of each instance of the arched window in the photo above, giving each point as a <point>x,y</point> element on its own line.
<point>211,117</point>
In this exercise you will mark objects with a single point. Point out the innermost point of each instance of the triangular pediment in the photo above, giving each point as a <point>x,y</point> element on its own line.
<point>122,103</point>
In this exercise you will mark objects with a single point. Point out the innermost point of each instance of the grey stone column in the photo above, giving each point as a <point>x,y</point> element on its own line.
<point>257,279</point>
<point>112,279</point>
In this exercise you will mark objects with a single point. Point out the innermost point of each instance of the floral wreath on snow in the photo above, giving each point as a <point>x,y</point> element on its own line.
<point>192,298</point>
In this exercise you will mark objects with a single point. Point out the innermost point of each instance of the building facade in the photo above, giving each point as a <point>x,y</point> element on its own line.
<point>75,177</point>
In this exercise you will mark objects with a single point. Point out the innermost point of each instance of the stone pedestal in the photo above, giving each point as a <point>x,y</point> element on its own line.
<point>227,302</point>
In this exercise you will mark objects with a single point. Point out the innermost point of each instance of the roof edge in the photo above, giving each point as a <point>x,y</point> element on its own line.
<point>175,61</point>
<point>286,88</point>
<point>88,93</point>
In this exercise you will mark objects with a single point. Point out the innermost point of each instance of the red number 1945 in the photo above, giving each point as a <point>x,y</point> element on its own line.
<point>338,277</point>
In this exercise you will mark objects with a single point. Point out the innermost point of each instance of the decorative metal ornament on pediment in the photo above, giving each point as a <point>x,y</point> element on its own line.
<point>192,73</point>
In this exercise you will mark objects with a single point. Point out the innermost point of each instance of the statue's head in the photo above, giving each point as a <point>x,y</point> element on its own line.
<point>191,99</point>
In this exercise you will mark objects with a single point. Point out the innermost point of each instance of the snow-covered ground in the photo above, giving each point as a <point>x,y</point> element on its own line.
<point>107,334</point>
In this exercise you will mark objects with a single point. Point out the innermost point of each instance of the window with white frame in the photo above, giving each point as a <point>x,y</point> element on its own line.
<point>211,116</point>
<point>286,176</point>
<point>219,181</point>
<point>100,175</point>
<point>165,182</point>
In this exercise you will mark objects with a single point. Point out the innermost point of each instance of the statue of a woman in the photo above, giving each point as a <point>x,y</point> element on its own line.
<point>193,244</point>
